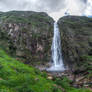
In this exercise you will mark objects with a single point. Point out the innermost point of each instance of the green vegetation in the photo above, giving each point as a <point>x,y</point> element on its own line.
<point>18,77</point>
<point>34,18</point>
<point>86,62</point>
<point>87,66</point>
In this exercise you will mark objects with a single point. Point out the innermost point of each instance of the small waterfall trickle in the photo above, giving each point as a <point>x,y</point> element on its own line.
<point>57,64</point>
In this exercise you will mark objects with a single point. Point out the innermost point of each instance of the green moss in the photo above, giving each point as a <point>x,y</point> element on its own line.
<point>36,19</point>
<point>15,19</point>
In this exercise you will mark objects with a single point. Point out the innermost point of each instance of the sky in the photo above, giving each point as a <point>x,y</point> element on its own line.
<point>55,8</point>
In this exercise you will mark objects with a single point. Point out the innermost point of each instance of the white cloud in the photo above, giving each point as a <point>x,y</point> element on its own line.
<point>73,7</point>
<point>88,10</point>
<point>55,8</point>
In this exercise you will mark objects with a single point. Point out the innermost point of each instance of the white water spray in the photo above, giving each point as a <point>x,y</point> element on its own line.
<point>57,64</point>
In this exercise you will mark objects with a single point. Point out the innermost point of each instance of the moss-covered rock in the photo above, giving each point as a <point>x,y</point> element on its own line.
<point>26,35</point>
<point>76,35</point>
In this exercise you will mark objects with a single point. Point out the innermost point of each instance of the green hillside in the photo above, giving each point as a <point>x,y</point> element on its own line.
<point>18,77</point>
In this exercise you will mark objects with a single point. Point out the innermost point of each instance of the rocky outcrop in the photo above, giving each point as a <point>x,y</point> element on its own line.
<point>26,35</point>
<point>76,35</point>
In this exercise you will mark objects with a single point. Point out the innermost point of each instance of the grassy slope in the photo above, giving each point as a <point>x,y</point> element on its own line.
<point>18,77</point>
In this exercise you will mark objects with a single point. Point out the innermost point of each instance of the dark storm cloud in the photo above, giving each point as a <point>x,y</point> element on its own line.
<point>84,1</point>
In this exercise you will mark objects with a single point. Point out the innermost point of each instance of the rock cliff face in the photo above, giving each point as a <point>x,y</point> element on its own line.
<point>76,34</point>
<point>26,35</point>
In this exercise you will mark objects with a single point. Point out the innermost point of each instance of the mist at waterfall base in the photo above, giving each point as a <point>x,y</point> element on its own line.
<point>57,61</point>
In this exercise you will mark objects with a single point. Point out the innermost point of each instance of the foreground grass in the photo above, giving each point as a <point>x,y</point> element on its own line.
<point>18,77</point>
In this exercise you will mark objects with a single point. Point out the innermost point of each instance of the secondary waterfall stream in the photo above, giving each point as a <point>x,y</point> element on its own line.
<point>57,60</point>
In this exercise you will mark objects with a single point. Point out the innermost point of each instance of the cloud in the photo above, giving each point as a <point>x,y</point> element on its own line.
<point>73,7</point>
<point>52,5</point>
<point>55,8</point>
<point>41,5</point>
<point>88,10</point>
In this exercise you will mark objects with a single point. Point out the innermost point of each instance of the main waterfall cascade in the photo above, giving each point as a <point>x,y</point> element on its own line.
<point>57,60</point>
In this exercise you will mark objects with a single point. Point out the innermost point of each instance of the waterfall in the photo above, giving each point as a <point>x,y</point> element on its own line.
<point>57,60</point>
